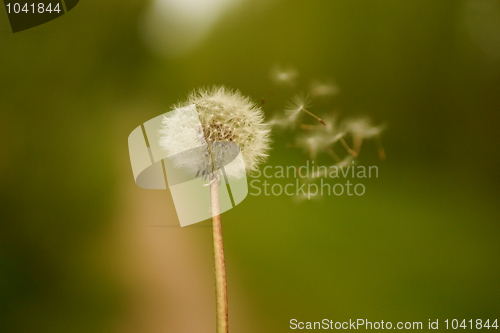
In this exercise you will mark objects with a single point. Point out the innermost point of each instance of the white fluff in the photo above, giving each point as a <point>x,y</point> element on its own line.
<point>217,115</point>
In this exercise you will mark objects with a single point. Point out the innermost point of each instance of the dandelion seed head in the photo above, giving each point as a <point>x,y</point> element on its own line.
<point>226,116</point>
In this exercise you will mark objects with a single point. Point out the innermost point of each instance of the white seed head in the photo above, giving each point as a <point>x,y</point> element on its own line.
<point>226,116</point>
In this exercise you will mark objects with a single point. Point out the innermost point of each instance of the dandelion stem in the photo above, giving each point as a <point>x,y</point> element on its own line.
<point>314,116</point>
<point>220,265</point>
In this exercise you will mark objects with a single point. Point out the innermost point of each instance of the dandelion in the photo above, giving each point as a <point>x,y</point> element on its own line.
<point>217,119</point>
<point>284,76</point>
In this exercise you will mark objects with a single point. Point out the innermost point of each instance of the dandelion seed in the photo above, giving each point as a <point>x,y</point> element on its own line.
<point>327,126</point>
<point>310,144</point>
<point>319,138</point>
<point>317,141</point>
<point>323,89</point>
<point>353,152</point>
<point>281,122</point>
<point>298,103</point>
<point>331,125</point>
<point>362,129</point>
<point>284,76</point>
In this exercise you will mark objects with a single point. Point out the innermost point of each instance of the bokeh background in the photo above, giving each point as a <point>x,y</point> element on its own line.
<point>79,250</point>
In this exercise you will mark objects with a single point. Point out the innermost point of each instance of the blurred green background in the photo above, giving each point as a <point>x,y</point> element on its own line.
<point>77,250</point>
